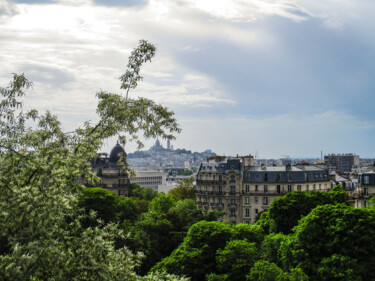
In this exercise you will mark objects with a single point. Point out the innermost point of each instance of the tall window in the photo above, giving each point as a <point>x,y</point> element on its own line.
<point>365,191</point>
<point>233,213</point>
<point>220,200</point>
<point>220,189</point>
<point>233,190</point>
<point>213,177</point>
<point>247,188</point>
<point>247,201</point>
<point>232,179</point>
<point>314,186</point>
<point>256,199</point>
<point>289,188</point>
<point>265,188</point>
<point>256,187</point>
<point>247,212</point>
<point>307,187</point>
<point>220,178</point>
<point>366,179</point>
<point>265,200</point>
<point>278,189</point>
<point>233,201</point>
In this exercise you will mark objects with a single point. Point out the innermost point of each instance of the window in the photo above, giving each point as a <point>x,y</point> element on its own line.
<point>205,188</point>
<point>307,187</point>
<point>220,189</point>
<point>256,199</point>
<point>232,179</point>
<point>205,199</point>
<point>233,213</point>
<point>314,186</point>
<point>265,188</point>
<point>265,200</point>
<point>220,178</point>
<point>247,188</point>
<point>214,177</point>
<point>220,200</point>
<point>278,189</point>
<point>265,177</point>
<point>278,177</point>
<point>247,201</point>
<point>365,191</point>
<point>247,222</point>
<point>366,179</point>
<point>289,188</point>
<point>320,186</point>
<point>289,177</point>
<point>256,187</point>
<point>256,211</point>
<point>247,212</point>
<point>232,190</point>
<point>299,187</point>
<point>233,201</point>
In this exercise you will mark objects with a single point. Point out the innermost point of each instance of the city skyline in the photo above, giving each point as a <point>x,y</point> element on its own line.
<point>278,77</point>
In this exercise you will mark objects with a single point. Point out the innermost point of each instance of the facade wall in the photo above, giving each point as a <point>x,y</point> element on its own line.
<point>243,192</point>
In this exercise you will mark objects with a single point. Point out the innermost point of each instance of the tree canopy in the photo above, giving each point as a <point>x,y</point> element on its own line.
<point>40,218</point>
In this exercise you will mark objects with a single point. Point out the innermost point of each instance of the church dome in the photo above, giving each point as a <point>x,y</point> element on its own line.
<point>115,152</point>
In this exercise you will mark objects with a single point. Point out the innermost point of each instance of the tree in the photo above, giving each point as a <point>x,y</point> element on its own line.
<point>40,219</point>
<point>236,259</point>
<point>286,211</point>
<point>265,271</point>
<point>195,257</point>
<point>335,239</point>
<point>185,190</point>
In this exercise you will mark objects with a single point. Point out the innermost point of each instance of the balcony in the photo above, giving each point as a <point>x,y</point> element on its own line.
<point>121,175</point>
<point>210,182</point>
<point>232,205</point>
<point>261,192</point>
<point>214,204</point>
<point>199,202</point>
<point>119,185</point>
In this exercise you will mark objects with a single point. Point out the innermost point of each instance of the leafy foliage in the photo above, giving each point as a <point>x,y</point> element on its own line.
<point>40,216</point>
<point>286,211</point>
<point>185,190</point>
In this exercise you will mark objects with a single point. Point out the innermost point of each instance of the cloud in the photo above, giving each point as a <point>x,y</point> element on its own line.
<point>124,3</point>
<point>291,134</point>
<point>33,1</point>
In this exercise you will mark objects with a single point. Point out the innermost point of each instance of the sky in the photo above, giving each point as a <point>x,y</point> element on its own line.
<point>268,77</point>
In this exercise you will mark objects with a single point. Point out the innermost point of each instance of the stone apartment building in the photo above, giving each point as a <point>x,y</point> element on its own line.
<point>243,190</point>
<point>111,170</point>
<point>365,189</point>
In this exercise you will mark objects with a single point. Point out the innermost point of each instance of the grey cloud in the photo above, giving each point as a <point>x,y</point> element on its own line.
<point>310,69</point>
<point>33,1</point>
<point>125,3</point>
<point>50,76</point>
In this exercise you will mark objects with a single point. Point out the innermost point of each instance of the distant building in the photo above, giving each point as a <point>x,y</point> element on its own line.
<point>341,162</point>
<point>150,177</point>
<point>244,190</point>
<point>111,170</point>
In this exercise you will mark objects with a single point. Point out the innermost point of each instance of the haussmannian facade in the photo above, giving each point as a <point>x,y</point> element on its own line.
<point>243,190</point>
<point>365,189</point>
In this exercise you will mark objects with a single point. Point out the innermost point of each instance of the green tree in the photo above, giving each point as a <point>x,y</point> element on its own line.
<point>185,190</point>
<point>286,211</point>
<point>195,257</point>
<point>236,259</point>
<point>335,238</point>
<point>40,219</point>
<point>265,271</point>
